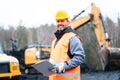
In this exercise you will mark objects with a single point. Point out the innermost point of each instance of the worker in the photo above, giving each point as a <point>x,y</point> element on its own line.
<point>67,53</point>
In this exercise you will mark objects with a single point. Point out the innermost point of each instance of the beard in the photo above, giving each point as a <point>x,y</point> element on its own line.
<point>60,27</point>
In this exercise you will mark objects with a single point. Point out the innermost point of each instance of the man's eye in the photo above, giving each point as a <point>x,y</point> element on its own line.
<point>60,20</point>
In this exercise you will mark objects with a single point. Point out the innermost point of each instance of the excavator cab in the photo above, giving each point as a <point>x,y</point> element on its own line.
<point>36,52</point>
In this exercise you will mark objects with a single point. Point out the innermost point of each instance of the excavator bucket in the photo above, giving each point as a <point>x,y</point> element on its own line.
<point>113,59</point>
<point>109,58</point>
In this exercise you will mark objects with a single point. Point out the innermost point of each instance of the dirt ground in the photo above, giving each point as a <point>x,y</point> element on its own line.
<point>99,75</point>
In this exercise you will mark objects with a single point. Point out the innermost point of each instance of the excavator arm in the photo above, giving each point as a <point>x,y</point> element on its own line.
<point>76,23</point>
<point>96,18</point>
<point>106,52</point>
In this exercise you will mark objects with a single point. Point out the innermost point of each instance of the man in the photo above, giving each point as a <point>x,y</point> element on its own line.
<point>67,52</point>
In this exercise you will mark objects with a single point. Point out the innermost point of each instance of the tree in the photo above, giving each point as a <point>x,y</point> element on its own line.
<point>112,31</point>
<point>22,36</point>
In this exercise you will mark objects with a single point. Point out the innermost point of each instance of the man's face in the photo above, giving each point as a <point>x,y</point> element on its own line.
<point>62,23</point>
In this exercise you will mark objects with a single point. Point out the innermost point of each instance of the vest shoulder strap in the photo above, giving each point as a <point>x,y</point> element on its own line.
<point>69,53</point>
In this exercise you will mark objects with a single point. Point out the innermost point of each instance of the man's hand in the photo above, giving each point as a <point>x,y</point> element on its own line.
<point>57,68</point>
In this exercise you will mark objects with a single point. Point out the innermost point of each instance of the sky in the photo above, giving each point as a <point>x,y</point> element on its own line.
<point>31,13</point>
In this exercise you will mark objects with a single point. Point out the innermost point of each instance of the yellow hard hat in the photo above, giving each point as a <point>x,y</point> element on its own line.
<point>61,14</point>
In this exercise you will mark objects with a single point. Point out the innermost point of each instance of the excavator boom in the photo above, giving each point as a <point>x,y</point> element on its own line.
<point>76,23</point>
<point>106,52</point>
<point>95,17</point>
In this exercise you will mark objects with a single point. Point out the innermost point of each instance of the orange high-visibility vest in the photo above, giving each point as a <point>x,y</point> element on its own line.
<point>59,53</point>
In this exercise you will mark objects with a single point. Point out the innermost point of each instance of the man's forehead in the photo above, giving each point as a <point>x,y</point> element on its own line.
<point>60,19</point>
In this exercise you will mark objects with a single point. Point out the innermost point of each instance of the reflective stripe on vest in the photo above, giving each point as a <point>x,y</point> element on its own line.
<point>71,75</point>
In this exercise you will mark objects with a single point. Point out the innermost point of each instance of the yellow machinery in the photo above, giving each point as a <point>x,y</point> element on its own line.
<point>9,67</point>
<point>106,52</point>
<point>33,54</point>
<point>29,55</point>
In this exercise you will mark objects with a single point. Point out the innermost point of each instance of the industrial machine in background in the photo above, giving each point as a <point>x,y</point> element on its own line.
<point>9,67</point>
<point>29,55</point>
<point>35,53</point>
<point>108,56</point>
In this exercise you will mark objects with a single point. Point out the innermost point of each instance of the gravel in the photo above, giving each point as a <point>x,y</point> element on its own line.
<point>101,75</point>
<point>96,75</point>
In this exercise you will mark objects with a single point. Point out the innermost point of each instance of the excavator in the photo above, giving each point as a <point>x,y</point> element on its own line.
<point>29,55</point>
<point>35,53</point>
<point>107,54</point>
<point>9,67</point>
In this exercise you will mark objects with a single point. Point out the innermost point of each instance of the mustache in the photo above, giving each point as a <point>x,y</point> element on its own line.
<point>60,25</point>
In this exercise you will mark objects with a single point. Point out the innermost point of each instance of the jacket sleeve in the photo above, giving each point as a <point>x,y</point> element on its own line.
<point>77,51</point>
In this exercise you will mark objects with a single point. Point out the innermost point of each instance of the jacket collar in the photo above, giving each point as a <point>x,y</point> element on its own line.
<point>59,33</point>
